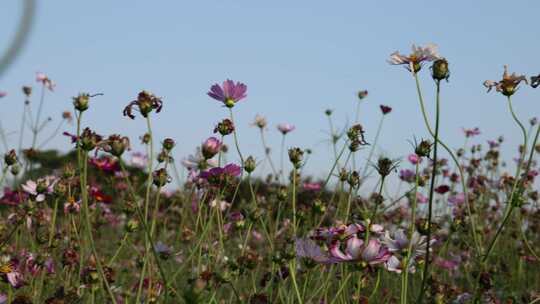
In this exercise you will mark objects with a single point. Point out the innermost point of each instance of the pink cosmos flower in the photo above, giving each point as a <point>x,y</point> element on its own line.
<point>420,198</point>
<point>139,160</point>
<point>414,159</point>
<point>40,188</point>
<point>457,199</point>
<point>3,94</point>
<point>311,186</point>
<point>12,198</point>
<point>45,80</point>
<point>105,164</point>
<point>230,93</point>
<point>210,147</point>
<point>413,62</point>
<point>355,250</point>
<point>285,128</point>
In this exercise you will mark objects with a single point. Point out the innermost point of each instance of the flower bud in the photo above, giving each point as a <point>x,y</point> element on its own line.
<point>362,94</point>
<point>168,144</point>
<point>423,149</point>
<point>250,164</point>
<point>145,139</point>
<point>439,69</point>
<point>15,169</point>
<point>353,179</point>
<point>27,90</point>
<point>328,112</point>
<point>81,102</point>
<point>10,158</point>
<point>296,156</point>
<point>160,177</point>
<point>210,147</point>
<point>118,144</point>
<point>385,166</point>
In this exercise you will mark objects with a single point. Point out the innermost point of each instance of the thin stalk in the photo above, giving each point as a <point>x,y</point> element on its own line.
<point>458,165</point>
<point>431,191</point>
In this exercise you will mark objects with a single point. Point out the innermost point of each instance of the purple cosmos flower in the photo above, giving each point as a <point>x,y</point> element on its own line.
<point>457,199</point>
<point>306,248</point>
<point>11,198</point>
<point>3,94</point>
<point>471,132</point>
<point>230,93</point>
<point>220,175</point>
<point>45,80</point>
<point>285,128</point>
<point>407,175</point>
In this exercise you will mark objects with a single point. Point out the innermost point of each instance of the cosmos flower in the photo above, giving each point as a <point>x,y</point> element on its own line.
<point>105,164</point>
<point>471,132</point>
<point>306,248</point>
<point>230,93</point>
<point>356,251</point>
<point>457,199</point>
<point>418,56</point>
<point>40,188</point>
<point>3,94</point>
<point>285,128</point>
<point>508,85</point>
<point>311,186</point>
<point>398,244</point>
<point>221,175</point>
<point>210,147</point>
<point>45,80</point>
<point>260,121</point>
<point>139,160</point>
<point>385,109</point>
<point>72,206</point>
<point>414,159</point>
<point>145,103</point>
<point>11,197</point>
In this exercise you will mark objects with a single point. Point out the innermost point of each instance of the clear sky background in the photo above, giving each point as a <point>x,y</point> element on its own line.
<point>298,58</point>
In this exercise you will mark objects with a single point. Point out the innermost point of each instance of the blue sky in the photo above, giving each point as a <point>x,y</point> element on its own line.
<point>298,58</point>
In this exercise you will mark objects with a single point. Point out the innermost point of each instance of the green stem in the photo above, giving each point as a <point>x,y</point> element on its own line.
<point>431,191</point>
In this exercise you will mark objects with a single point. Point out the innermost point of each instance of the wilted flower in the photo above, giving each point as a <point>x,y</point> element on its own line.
<point>362,94</point>
<point>508,85</point>
<point>89,139</point>
<point>285,128</point>
<point>296,155</point>
<point>230,93</point>
<point>224,127</point>
<point>115,144</point>
<point>414,61</point>
<point>260,121</point>
<point>385,109</point>
<point>72,206</point>
<point>145,102</point>
<point>45,80</point>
